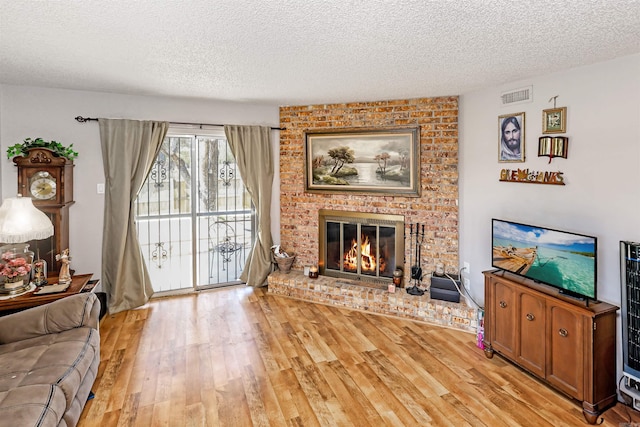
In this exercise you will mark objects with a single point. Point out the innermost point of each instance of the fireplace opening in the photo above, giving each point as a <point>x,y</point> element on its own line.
<point>363,246</point>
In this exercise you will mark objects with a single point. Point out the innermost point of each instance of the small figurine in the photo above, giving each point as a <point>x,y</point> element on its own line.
<point>64,277</point>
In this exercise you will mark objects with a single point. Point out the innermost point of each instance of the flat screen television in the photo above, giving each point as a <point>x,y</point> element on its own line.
<point>557,258</point>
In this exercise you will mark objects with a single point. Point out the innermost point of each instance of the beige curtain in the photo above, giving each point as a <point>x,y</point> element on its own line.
<point>252,149</point>
<point>129,148</point>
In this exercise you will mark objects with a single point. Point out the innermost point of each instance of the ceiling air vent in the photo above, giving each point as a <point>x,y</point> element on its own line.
<point>517,96</point>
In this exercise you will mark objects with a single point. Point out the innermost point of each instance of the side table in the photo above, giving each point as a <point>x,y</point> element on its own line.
<point>28,300</point>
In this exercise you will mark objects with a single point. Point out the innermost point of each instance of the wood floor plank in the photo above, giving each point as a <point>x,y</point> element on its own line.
<point>282,389</point>
<point>270,400</point>
<point>193,372</point>
<point>101,402</point>
<point>160,414</point>
<point>339,341</point>
<point>360,411</point>
<point>127,415</point>
<point>150,365</point>
<point>513,410</point>
<point>209,400</point>
<point>386,399</point>
<point>144,416</point>
<point>296,346</point>
<point>233,408</point>
<point>195,415</point>
<point>111,418</point>
<point>269,348</point>
<point>339,397</point>
<point>243,357</point>
<point>255,399</point>
<point>395,350</point>
<point>406,391</point>
<point>165,376</point>
<point>306,415</point>
<point>317,392</point>
<point>464,411</point>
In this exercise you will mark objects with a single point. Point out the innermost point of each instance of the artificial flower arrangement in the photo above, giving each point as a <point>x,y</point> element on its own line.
<point>14,267</point>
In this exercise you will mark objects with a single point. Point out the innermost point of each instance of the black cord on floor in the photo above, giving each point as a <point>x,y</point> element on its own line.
<point>628,403</point>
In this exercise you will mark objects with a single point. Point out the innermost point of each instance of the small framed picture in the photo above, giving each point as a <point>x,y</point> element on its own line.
<point>511,138</point>
<point>554,120</point>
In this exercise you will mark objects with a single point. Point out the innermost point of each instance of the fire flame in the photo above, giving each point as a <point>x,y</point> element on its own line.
<point>369,261</point>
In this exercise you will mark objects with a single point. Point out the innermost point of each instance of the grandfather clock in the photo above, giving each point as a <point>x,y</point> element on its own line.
<point>48,180</point>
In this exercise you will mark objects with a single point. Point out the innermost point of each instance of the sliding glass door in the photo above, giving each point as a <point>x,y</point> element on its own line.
<point>194,217</point>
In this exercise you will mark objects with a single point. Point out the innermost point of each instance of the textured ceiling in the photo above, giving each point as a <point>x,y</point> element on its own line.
<point>296,52</point>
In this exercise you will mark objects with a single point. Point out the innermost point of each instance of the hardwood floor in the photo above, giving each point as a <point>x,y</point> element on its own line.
<point>241,357</point>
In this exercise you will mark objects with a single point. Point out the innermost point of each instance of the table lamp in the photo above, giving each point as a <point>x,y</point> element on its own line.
<point>21,221</point>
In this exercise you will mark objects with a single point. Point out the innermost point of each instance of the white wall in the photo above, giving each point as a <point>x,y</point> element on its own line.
<point>601,195</point>
<point>49,113</point>
<point>602,172</point>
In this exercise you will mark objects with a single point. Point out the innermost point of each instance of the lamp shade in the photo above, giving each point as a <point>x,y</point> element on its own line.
<point>20,221</point>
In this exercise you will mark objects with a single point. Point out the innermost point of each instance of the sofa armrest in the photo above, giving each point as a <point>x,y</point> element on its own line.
<point>67,313</point>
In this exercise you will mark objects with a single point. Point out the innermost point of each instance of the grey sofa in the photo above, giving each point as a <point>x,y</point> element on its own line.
<point>49,357</point>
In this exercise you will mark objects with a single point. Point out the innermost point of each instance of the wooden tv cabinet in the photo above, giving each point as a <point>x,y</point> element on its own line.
<point>569,344</point>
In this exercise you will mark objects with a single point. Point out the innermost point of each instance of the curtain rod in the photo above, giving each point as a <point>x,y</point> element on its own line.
<point>81,119</point>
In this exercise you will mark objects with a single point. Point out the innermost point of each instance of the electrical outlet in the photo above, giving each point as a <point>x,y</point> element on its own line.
<point>467,284</point>
<point>467,267</point>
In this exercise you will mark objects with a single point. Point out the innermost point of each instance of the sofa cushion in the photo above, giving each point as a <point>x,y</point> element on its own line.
<point>33,405</point>
<point>58,362</point>
<point>71,312</point>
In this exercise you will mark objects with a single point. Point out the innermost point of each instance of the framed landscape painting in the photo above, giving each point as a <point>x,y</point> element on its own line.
<point>377,161</point>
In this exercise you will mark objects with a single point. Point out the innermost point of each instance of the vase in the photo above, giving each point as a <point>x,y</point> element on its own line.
<point>14,282</point>
<point>19,250</point>
<point>15,285</point>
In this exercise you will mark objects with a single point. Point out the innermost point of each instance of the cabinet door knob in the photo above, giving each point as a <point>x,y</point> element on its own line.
<point>530,316</point>
<point>503,304</point>
<point>563,332</point>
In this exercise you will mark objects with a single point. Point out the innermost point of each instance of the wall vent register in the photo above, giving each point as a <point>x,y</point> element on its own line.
<point>517,96</point>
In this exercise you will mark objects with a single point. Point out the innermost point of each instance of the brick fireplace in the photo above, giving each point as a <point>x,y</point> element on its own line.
<point>436,207</point>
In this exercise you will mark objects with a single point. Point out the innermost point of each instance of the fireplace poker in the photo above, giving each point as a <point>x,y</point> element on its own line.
<point>416,270</point>
<point>411,247</point>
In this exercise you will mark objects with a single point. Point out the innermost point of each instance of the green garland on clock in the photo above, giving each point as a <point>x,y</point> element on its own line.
<point>57,148</point>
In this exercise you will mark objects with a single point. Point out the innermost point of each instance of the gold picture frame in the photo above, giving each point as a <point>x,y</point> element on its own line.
<point>363,161</point>
<point>554,120</point>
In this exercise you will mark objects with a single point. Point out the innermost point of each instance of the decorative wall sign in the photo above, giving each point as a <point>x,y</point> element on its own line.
<point>374,161</point>
<point>553,146</point>
<point>511,138</point>
<point>531,177</point>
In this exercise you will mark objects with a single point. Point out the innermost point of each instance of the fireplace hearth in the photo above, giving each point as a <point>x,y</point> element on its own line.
<point>360,246</point>
<point>355,295</point>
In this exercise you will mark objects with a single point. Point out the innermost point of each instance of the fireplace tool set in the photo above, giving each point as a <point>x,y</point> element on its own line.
<point>416,269</point>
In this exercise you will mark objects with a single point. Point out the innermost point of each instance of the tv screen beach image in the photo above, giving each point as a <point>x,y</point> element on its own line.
<point>561,259</point>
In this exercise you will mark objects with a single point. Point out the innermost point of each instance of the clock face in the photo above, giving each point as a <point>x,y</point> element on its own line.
<point>43,186</point>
